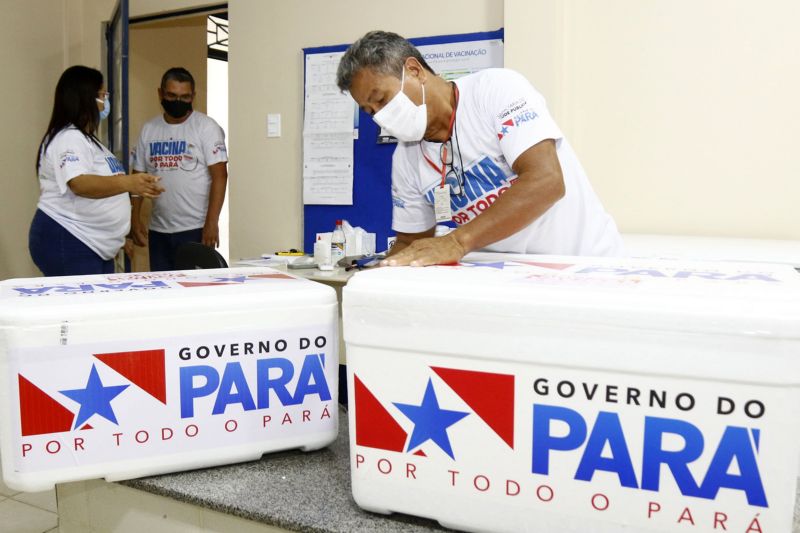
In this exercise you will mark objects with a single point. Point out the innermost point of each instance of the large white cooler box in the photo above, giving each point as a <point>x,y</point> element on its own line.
<point>535,393</point>
<point>127,375</point>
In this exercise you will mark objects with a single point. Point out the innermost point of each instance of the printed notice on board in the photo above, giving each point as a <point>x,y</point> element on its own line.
<point>327,134</point>
<point>453,60</point>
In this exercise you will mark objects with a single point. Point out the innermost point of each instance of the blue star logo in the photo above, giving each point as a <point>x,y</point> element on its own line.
<point>430,421</point>
<point>94,399</point>
<point>498,266</point>
<point>235,279</point>
<point>504,130</point>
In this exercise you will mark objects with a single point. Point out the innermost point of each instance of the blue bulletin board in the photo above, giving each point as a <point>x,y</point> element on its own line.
<point>372,162</point>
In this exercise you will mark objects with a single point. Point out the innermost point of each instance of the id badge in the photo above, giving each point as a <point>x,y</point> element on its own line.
<point>441,203</point>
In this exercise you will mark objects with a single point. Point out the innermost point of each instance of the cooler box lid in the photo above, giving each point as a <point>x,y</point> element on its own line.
<point>746,299</point>
<point>607,313</point>
<point>37,300</point>
<point>106,375</point>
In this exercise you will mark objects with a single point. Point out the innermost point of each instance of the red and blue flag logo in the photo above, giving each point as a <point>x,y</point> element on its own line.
<point>505,128</point>
<point>489,397</point>
<point>41,413</point>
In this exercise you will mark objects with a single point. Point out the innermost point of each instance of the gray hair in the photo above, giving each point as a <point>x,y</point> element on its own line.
<point>382,51</point>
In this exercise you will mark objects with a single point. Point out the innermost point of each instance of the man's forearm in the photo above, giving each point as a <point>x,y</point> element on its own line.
<point>216,193</point>
<point>216,198</point>
<point>136,209</point>
<point>511,212</point>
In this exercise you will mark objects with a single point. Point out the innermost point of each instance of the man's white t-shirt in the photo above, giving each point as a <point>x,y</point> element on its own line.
<point>99,223</point>
<point>499,116</point>
<point>180,154</point>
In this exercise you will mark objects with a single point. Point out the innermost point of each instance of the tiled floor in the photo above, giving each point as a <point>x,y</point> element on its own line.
<point>27,512</point>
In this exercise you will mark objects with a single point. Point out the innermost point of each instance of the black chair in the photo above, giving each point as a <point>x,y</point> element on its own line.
<point>194,255</point>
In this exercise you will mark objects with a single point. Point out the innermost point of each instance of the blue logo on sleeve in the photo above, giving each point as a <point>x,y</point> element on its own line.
<point>114,165</point>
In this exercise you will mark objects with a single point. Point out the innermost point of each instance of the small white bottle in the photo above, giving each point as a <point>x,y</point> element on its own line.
<point>322,251</point>
<point>337,244</point>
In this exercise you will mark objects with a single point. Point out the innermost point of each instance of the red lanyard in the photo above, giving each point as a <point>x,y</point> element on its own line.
<point>443,169</point>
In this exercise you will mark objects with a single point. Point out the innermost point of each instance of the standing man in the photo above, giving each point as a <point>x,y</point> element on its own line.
<point>187,149</point>
<point>482,151</point>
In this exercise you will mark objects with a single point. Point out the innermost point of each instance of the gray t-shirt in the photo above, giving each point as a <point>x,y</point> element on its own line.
<point>180,154</point>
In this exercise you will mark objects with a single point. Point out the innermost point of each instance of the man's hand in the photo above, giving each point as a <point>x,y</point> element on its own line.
<point>443,250</point>
<point>211,234</point>
<point>138,227</point>
<point>128,248</point>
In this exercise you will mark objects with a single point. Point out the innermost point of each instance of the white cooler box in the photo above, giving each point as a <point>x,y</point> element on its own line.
<point>539,393</point>
<point>126,375</point>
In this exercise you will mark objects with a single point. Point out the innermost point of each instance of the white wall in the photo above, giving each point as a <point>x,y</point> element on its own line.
<point>28,83</point>
<point>266,76</point>
<point>217,91</point>
<point>685,114</point>
<point>155,47</point>
<point>40,38</point>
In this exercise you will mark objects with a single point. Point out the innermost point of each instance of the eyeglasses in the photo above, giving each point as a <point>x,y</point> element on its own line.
<point>182,97</point>
<point>455,175</point>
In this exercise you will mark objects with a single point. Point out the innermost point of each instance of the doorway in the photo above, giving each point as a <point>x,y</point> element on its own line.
<point>217,102</point>
<point>193,41</point>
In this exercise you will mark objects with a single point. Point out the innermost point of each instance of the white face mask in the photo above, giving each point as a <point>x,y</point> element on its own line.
<point>402,118</point>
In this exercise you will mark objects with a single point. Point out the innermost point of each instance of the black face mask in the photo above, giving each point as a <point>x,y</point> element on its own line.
<point>176,108</point>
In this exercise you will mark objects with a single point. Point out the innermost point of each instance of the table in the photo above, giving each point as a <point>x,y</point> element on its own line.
<point>290,490</point>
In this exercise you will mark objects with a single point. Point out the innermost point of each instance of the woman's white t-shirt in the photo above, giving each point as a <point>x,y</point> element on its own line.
<point>100,223</point>
<point>499,116</point>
